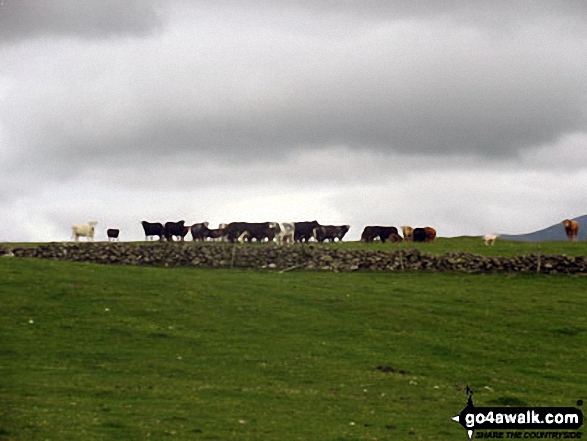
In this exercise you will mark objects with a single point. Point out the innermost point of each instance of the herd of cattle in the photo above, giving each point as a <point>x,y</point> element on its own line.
<point>282,233</point>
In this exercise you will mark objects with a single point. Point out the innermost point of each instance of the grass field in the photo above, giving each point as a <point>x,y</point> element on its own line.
<point>91,352</point>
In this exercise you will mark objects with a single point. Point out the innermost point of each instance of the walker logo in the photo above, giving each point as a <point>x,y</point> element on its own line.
<point>516,419</point>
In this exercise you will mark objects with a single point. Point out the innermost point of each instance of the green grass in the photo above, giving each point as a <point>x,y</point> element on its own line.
<point>96,352</point>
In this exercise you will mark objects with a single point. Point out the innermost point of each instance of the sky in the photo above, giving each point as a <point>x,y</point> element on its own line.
<point>467,116</point>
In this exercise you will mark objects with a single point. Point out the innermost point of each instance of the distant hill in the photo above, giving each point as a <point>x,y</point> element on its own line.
<point>555,232</point>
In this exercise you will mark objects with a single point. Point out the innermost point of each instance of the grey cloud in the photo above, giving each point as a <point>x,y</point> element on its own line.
<point>494,13</point>
<point>232,90</point>
<point>29,19</point>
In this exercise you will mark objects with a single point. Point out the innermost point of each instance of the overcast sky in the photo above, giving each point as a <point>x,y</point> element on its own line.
<point>468,116</point>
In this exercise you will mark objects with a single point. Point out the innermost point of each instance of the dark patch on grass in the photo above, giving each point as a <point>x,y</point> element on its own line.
<point>118,331</point>
<point>159,335</point>
<point>509,401</point>
<point>113,425</point>
<point>176,418</point>
<point>570,331</point>
<point>392,370</point>
<point>445,352</point>
<point>7,352</point>
<point>104,393</point>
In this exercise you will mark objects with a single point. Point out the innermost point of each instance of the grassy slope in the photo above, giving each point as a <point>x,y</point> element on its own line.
<point>136,352</point>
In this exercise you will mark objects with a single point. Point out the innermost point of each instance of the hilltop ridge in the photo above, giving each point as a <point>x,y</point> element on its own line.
<point>553,233</point>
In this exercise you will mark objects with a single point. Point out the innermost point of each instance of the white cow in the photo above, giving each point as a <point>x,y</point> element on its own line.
<point>86,230</point>
<point>490,239</point>
<point>285,233</point>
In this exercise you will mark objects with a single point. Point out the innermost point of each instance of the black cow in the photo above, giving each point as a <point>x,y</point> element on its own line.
<point>420,235</point>
<point>330,232</point>
<point>217,233</point>
<point>249,231</point>
<point>174,229</point>
<point>112,233</point>
<point>200,231</point>
<point>185,232</point>
<point>153,229</point>
<point>303,231</point>
<point>371,233</point>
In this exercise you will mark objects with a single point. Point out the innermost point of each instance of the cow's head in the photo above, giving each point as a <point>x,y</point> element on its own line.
<point>92,223</point>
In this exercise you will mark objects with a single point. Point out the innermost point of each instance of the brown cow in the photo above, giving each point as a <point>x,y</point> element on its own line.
<point>572,229</point>
<point>430,234</point>
<point>408,233</point>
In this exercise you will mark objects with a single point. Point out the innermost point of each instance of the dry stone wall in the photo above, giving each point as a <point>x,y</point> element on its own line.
<point>298,256</point>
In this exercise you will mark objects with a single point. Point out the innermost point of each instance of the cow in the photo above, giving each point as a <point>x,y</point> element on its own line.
<point>370,233</point>
<point>112,234</point>
<point>430,234</point>
<point>250,230</point>
<point>303,231</point>
<point>185,232</point>
<point>153,229</point>
<point>174,229</point>
<point>395,238</point>
<point>216,234</point>
<point>420,235</point>
<point>572,229</point>
<point>200,231</point>
<point>84,230</point>
<point>489,239</point>
<point>285,232</point>
<point>330,232</point>
<point>408,233</point>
